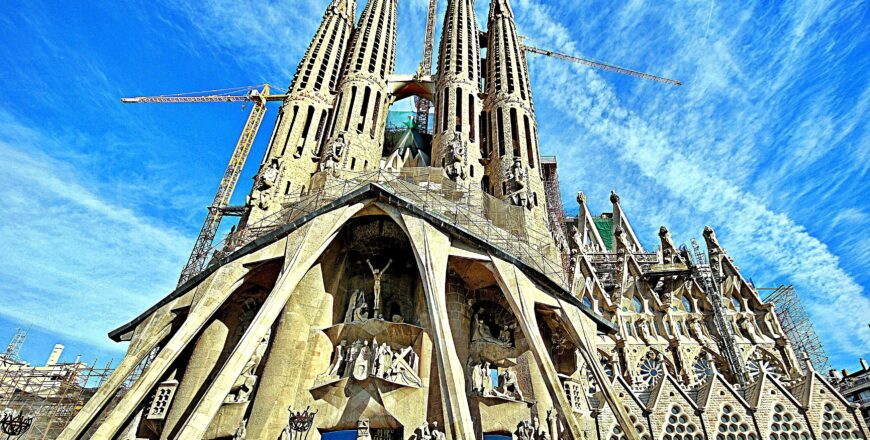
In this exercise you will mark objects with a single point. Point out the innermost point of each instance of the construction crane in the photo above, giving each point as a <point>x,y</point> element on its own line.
<point>600,65</point>
<point>703,273</point>
<point>220,205</point>
<point>423,105</point>
<point>13,350</point>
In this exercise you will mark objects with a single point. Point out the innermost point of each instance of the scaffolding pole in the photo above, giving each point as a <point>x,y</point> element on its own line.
<point>797,325</point>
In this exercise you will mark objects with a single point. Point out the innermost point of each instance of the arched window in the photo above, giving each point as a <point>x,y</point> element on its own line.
<point>835,425</point>
<point>637,304</point>
<point>732,426</point>
<point>680,427</point>
<point>587,302</point>
<point>785,426</point>
<point>687,304</point>
<point>737,304</point>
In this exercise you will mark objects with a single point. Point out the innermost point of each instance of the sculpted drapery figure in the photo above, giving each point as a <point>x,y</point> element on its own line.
<point>377,274</point>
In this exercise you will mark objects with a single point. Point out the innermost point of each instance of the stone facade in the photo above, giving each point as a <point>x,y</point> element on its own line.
<point>398,303</point>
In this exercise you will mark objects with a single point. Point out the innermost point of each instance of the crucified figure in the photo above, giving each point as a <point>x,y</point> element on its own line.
<point>377,274</point>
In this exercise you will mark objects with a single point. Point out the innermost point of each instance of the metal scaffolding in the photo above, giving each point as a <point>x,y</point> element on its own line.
<point>466,207</point>
<point>797,325</point>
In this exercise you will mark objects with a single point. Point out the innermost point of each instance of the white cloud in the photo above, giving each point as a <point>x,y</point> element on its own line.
<point>82,262</point>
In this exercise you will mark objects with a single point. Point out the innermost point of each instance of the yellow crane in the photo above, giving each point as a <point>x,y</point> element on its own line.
<point>258,95</point>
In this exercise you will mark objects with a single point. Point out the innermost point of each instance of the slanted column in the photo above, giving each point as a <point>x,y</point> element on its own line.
<point>432,249</point>
<point>517,288</point>
<point>318,234</point>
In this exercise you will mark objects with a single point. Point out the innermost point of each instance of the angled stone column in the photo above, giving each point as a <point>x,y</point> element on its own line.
<point>517,288</point>
<point>153,330</point>
<point>318,234</point>
<point>582,336</point>
<point>432,249</point>
<point>227,279</point>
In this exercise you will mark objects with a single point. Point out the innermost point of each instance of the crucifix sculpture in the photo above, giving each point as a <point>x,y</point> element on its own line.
<point>377,274</point>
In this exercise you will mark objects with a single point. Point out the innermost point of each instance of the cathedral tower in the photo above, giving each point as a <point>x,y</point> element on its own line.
<point>455,146</point>
<point>513,170</point>
<point>288,164</point>
<point>356,140</point>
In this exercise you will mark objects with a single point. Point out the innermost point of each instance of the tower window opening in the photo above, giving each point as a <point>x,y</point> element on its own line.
<point>366,165</point>
<point>321,123</point>
<point>337,62</point>
<point>471,171</point>
<point>500,132</point>
<point>290,129</point>
<point>287,191</point>
<point>305,131</point>
<point>473,45</point>
<point>515,132</point>
<point>504,188</point>
<point>459,42</point>
<point>471,118</point>
<point>484,184</point>
<point>391,38</point>
<point>376,115</point>
<point>350,108</point>
<point>363,111</point>
<point>458,105</point>
<point>373,60</point>
<point>484,135</point>
<point>444,107</point>
<point>330,45</point>
<point>509,61</point>
<point>529,150</point>
<point>352,163</point>
<point>274,134</point>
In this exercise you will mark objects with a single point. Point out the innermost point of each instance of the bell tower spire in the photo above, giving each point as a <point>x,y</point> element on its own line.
<point>288,165</point>
<point>356,142</point>
<point>456,144</point>
<point>512,156</point>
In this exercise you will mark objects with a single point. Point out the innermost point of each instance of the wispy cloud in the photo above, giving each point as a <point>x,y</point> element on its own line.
<point>81,263</point>
<point>701,157</point>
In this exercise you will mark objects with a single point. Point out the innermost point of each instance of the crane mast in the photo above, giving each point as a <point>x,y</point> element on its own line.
<point>704,273</point>
<point>219,207</point>
<point>423,105</point>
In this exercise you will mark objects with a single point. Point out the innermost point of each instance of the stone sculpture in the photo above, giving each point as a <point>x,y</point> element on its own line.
<point>244,385</point>
<point>454,159</point>
<point>373,360</point>
<point>377,274</point>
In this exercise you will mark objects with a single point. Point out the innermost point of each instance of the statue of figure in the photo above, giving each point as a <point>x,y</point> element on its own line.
<point>241,431</point>
<point>361,363</point>
<point>480,331</point>
<point>339,359</point>
<point>476,378</point>
<point>378,274</point>
<point>454,160</point>
<point>269,175</point>
<point>505,334</point>
<point>383,357</point>
<point>509,384</point>
<point>335,153</point>
<point>486,379</point>
<point>525,431</point>
<point>517,176</point>
<point>644,330</point>
<point>436,434</point>
<point>244,384</point>
<point>361,311</point>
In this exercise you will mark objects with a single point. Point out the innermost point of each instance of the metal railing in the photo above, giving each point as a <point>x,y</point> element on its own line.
<point>463,206</point>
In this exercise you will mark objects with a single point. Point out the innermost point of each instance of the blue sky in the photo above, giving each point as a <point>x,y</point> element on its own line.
<point>768,141</point>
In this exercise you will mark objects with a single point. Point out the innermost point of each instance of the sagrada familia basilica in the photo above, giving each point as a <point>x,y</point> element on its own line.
<point>437,292</point>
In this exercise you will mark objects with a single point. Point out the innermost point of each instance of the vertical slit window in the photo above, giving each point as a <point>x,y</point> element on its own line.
<point>376,114</point>
<point>364,109</point>
<point>320,126</point>
<point>308,118</point>
<point>338,56</point>
<point>529,150</point>
<point>500,132</point>
<point>376,50</point>
<point>350,108</point>
<point>515,133</point>
<point>287,191</point>
<point>444,110</point>
<point>458,105</point>
<point>471,119</point>
<point>290,129</point>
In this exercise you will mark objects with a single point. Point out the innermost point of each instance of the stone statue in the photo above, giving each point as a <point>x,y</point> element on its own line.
<point>480,331</point>
<point>241,431</point>
<point>338,361</point>
<point>361,308</point>
<point>244,384</point>
<point>335,154</point>
<point>476,379</point>
<point>378,274</point>
<point>454,160</point>
<point>749,326</point>
<point>361,363</point>
<point>509,385</point>
<point>517,177</point>
<point>486,379</point>
<point>698,330</point>
<point>645,330</point>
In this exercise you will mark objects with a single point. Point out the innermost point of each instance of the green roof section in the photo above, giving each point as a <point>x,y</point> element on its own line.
<point>605,229</point>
